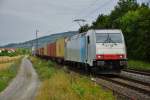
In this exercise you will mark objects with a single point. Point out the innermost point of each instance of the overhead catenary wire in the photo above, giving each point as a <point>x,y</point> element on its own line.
<point>98,8</point>
<point>93,11</point>
<point>81,12</point>
<point>88,7</point>
<point>86,16</point>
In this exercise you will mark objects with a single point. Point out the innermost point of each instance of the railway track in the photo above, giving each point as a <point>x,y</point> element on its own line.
<point>137,75</point>
<point>133,84</point>
<point>125,86</point>
<point>130,88</point>
<point>130,83</point>
<point>146,73</point>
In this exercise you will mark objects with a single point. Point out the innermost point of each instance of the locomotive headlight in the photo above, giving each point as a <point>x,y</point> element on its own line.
<point>99,56</point>
<point>121,56</point>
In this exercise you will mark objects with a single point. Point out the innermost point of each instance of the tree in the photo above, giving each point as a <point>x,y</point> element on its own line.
<point>135,26</point>
<point>84,28</point>
<point>134,20</point>
<point>121,9</point>
<point>102,22</point>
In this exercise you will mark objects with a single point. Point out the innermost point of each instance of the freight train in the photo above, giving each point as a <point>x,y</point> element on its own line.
<point>97,50</point>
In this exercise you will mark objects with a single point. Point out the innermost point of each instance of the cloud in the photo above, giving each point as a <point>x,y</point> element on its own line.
<point>19,18</point>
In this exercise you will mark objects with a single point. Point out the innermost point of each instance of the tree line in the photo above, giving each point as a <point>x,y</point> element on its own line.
<point>134,20</point>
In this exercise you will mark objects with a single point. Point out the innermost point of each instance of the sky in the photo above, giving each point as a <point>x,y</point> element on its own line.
<point>20,18</point>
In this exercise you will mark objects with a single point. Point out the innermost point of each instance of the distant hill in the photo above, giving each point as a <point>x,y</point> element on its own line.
<point>41,41</point>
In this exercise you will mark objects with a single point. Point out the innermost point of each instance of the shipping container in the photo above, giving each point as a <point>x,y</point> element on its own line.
<point>48,50</point>
<point>60,43</point>
<point>45,50</point>
<point>41,51</point>
<point>52,49</point>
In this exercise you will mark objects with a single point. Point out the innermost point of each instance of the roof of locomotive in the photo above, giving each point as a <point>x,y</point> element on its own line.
<point>108,31</point>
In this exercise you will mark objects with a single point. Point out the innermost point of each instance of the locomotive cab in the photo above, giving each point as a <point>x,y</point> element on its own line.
<point>109,47</point>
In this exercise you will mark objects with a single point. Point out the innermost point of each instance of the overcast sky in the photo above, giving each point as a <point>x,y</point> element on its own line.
<point>20,18</point>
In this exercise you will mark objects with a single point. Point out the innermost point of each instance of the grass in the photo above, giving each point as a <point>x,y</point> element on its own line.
<point>7,72</point>
<point>138,65</point>
<point>44,68</point>
<point>58,85</point>
<point>5,66</point>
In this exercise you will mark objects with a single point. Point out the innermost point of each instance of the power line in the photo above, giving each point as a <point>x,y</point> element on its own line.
<point>88,7</point>
<point>100,7</point>
<point>95,10</point>
<point>91,12</point>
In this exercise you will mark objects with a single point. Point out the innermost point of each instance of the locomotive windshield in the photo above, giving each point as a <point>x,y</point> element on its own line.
<point>108,38</point>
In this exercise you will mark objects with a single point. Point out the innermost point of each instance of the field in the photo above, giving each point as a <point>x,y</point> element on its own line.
<point>5,66</point>
<point>6,59</point>
<point>56,84</point>
<point>139,65</point>
<point>8,70</point>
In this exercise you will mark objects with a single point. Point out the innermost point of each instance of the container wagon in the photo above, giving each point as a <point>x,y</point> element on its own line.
<point>48,50</point>
<point>45,51</point>
<point>101,50</point>
<point>60,49</point>
<point>41,51</point>
<point>51,50</point>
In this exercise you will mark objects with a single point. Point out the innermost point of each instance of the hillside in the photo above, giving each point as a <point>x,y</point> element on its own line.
<point>41,40</point>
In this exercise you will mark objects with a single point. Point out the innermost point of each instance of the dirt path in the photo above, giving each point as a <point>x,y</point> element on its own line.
<point>24,86</point>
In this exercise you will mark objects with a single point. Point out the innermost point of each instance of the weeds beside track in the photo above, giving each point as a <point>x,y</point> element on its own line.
<point>57,84</point>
